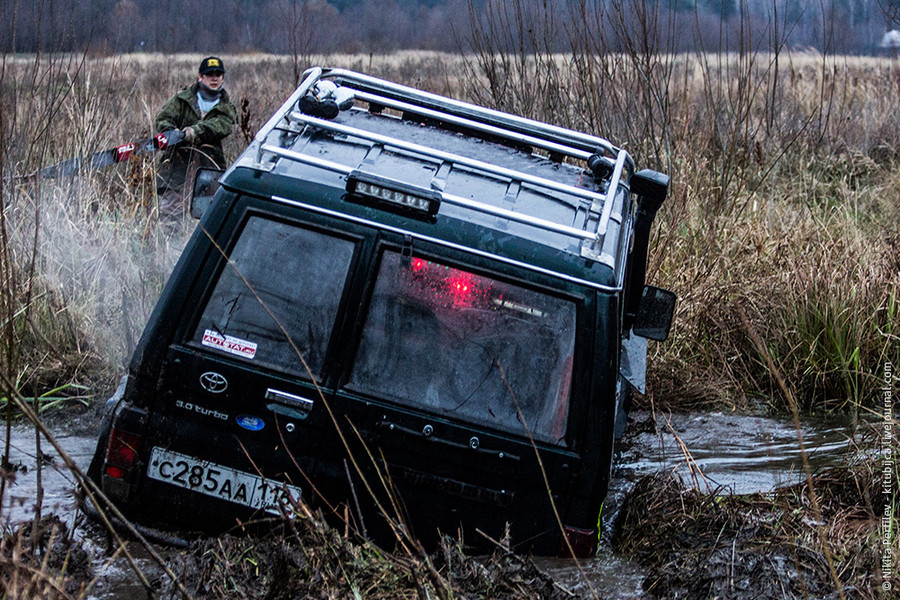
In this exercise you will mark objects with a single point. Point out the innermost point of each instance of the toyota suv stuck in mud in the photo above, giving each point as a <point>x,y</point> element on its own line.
<point>418,314</point>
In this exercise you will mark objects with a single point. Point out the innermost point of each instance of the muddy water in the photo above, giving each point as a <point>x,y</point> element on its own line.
<point>714,452</point>
<point>115,579</point>
<point>730,453</point>
<point>717,453</point>
<point>58,484</point>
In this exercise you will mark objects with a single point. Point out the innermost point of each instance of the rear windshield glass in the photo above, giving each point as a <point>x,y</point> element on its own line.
<point>469,347</point>
<point>283,284</point>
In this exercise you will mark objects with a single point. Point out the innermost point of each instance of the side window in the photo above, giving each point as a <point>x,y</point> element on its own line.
<point>277,296</point>
<point>469,347</point>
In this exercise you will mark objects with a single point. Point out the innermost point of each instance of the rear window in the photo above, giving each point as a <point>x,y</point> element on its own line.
<point>468,346</point>
<point>277,296</point>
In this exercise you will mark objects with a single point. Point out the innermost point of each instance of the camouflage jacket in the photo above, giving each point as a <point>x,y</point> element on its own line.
<point>182,110</point>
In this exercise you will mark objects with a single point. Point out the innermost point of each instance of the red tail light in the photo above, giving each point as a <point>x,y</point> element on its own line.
<point>583,543</point>
<point>115,472</point>
<point>122,452</point>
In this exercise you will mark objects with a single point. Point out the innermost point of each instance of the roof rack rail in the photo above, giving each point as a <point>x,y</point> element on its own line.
<point>490,122</point>
<point>403,145</point>
<point>449,198</point>
<point>510,124</point>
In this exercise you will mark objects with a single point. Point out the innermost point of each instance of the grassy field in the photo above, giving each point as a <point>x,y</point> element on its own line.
<point>781,234</point>
<point>782,221</point>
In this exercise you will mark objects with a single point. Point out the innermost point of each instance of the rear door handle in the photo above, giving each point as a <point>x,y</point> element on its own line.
<point>289,405</point>
<point>427,433</point>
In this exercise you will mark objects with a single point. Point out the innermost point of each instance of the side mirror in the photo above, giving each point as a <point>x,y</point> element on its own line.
<point>654,314</point>
<point>206,183</point>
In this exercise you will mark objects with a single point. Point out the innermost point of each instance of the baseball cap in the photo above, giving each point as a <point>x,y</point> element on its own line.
<point>211,64</point>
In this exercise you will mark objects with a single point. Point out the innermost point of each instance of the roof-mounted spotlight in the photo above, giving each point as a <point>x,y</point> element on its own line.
<point>387,193</point>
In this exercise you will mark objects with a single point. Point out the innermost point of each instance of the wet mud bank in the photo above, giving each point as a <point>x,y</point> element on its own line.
<point>307,559</point>
<point>775,545</point>
<point>700,506</point>
<point>723,508</point>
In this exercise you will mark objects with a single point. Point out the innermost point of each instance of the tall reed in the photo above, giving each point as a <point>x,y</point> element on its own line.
<point>783,173</point>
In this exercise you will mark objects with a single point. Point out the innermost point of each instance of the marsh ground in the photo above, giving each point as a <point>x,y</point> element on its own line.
<point>780,237</point>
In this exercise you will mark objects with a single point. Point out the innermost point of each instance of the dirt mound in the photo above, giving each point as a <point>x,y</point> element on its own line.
<point>308,559</point>
<point>755,546</point>
<point>43,561</point>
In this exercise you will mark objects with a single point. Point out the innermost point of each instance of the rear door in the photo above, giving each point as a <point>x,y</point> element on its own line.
<point>464,371</point>
<point>243,388</point>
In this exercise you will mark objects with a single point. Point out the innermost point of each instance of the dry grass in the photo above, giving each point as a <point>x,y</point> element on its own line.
<point>773,545</point>
<point>731,546</point>
<point>792,215</point>
<point>41,560</point>
<point>783,207</point>
<point>305,558</point>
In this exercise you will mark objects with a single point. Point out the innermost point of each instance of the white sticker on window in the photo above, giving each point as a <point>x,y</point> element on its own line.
<point>229,344</point>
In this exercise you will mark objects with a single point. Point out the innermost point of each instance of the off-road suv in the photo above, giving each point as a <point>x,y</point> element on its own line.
<point>396,303</point>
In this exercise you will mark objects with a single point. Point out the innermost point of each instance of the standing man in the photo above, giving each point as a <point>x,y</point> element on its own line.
<point>204,113</point>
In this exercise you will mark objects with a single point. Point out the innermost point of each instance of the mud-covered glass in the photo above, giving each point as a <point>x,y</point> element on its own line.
<point>277,298</point>
<point>469,347</point>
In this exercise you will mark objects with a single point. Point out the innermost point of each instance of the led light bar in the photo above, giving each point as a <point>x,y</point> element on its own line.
<point>388,192</point>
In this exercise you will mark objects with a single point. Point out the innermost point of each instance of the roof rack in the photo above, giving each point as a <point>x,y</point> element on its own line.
<point>558,141</point>
<point>571,143</point>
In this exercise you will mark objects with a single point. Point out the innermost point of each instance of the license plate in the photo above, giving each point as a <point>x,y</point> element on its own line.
<point>220,482</point>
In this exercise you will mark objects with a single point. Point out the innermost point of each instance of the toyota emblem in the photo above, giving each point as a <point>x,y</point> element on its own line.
<point>213,383</point>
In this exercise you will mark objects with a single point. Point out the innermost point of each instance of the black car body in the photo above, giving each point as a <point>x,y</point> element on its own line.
<point>392,290</point>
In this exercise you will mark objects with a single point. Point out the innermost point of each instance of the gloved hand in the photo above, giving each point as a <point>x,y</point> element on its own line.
<point>189,134</point>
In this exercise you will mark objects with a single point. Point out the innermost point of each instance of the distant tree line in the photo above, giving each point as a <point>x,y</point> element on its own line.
<point>228,25</point>
<point>320,26</point>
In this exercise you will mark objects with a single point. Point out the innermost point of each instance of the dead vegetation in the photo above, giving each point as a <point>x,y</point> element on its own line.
<point>783,208</point>
<point>719,545</point>
<point>305,558</point>
<point>42,560</point>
